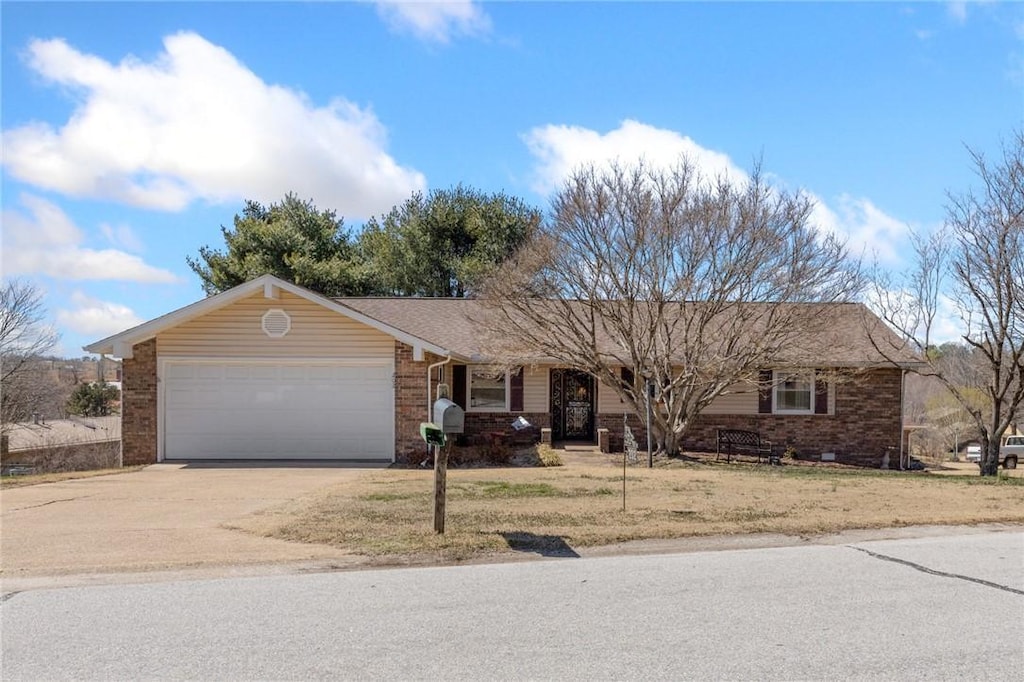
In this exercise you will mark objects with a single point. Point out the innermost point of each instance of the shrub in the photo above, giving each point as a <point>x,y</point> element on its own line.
<point>548,456</point>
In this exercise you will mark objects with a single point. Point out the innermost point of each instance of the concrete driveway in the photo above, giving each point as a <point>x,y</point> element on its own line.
<point>164,517</point>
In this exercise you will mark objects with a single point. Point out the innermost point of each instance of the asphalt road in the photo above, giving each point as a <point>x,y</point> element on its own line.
<point>948,607</point>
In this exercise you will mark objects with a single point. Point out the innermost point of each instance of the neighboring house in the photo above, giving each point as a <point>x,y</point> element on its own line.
<point>270,370</point>
<point>58,442</point>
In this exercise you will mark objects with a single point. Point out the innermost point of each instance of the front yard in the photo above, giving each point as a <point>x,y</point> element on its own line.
<point>387,513</point>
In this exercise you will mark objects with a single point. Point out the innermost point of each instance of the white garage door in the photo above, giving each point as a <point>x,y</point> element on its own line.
<point>273,410</point>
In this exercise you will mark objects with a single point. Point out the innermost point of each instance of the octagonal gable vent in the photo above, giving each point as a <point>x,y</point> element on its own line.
<point>276,323</point>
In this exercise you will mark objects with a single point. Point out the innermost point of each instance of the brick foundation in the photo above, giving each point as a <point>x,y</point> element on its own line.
<point>480,423</point>
<point>612,423</point>
<point>138,405</point>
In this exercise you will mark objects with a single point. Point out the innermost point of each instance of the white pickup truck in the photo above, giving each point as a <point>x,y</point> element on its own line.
<point>1011,451</point>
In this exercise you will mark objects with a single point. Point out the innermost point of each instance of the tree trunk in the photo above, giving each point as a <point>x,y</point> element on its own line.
<point>990,458</point>
<point>668,441</point>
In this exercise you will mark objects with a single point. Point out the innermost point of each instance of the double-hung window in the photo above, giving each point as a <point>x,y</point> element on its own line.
<point>488,389</point>
<point>793,393</point>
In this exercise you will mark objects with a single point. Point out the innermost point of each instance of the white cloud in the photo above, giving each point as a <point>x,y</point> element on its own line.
<point>93,317</point>
<point>949,324</point>
<point>434,21</point>
<point>195,123</point>
<point>42,240</point>
<point>869,231</point>
<point>560,149</point>
<point>121,235</point>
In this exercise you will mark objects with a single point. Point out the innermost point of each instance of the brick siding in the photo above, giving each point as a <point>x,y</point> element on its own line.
<point>411,409</point>
<point>866,422</point>
<point>138,405</point>
<point>410,401</point>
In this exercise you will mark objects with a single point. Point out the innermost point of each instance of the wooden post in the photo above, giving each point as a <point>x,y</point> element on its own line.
<point>440,482</point>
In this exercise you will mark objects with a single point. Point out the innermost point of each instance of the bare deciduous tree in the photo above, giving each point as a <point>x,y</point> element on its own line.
<point>694,283</point>
<point>977,262</point>
<point>25,337</point>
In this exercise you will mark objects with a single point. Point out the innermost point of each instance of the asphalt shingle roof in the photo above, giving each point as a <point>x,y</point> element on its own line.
<point>449,323</point>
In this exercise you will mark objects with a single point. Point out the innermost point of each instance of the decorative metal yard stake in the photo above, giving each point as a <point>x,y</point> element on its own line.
<point>628,452</point>
<point>650,448</point>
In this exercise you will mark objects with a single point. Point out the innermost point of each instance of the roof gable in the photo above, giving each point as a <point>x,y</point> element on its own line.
<point>120,345</point>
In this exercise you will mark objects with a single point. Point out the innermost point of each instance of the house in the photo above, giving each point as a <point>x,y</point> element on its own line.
<point>270,370</point>
<point>61,444</point>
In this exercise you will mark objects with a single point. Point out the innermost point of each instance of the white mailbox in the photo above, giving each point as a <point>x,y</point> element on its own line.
<point>449,416</point>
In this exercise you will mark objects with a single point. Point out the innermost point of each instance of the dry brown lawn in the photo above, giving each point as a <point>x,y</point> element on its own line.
<point>387,513</point>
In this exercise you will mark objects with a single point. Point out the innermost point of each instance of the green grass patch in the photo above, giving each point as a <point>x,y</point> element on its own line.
<point>831,475</point>
<point>1001,479</point>
<point>506,489</point>
<point>389,497</point>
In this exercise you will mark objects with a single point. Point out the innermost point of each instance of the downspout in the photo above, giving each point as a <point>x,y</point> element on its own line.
<point>430,398</point>
<point>903,402</point>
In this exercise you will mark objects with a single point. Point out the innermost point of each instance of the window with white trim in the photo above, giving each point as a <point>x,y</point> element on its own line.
<point>487,389</point>
<point>793,393</point>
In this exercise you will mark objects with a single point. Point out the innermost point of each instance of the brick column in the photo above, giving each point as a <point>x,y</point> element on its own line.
<point>410,402</point>
<point>138,405</point>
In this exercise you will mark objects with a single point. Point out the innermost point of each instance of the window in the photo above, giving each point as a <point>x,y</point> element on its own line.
<point>794,394</point>
<point>488,389</point>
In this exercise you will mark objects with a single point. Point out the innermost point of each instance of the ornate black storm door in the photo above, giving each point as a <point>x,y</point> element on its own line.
<point>572,405</point>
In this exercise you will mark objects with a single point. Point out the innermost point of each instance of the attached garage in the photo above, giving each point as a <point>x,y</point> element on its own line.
<point>264,371</point>
<point>277,409</point>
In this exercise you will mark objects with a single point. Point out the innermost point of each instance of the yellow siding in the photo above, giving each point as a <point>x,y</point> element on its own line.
<point>608,401</point>
<point>743,401</point>
<point>236,331</point>
<point>535,389</point>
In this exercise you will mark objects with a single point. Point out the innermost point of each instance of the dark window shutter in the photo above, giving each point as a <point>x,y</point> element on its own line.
<point>516,390</point>
<point>764,392</point>
<point>459,385</point>
<point>820,394</point>
<point>626,374</point>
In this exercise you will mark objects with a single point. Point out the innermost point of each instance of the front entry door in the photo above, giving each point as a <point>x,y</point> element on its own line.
<point>572,405</point>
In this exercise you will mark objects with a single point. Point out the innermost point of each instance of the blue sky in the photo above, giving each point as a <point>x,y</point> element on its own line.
<point>133,131</point>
